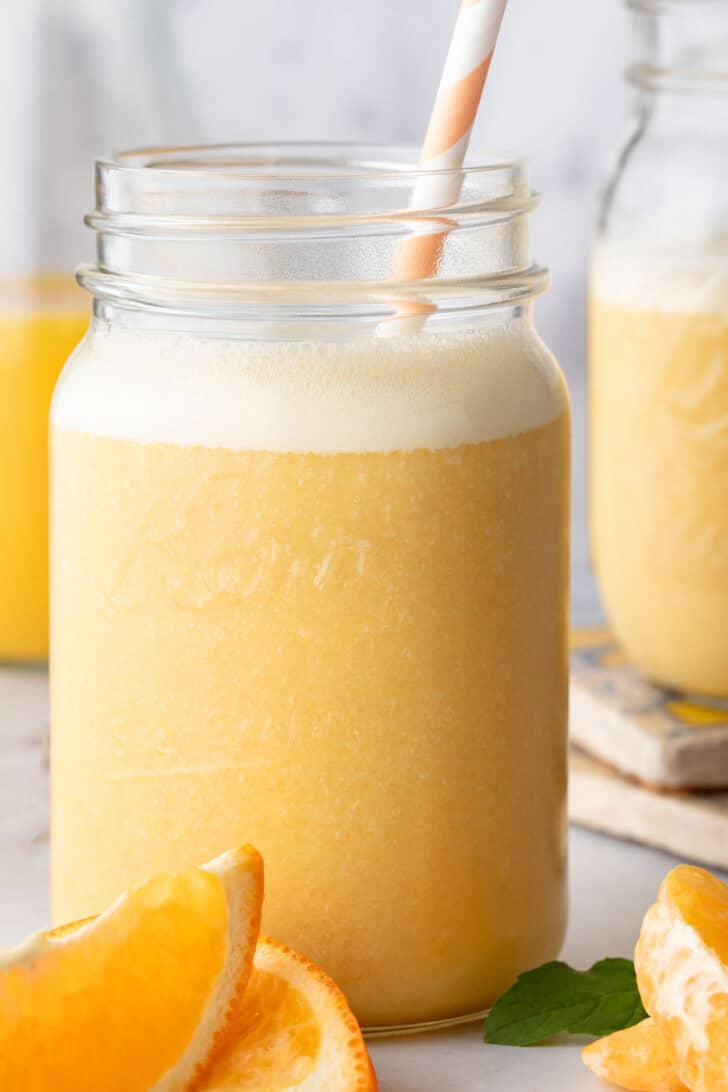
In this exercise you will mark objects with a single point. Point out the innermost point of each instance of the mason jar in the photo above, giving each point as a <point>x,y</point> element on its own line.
<point>309,565</point>
<point>659,354</point>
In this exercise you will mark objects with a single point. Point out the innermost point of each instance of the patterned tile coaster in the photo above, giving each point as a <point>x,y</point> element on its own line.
<point>692,825</point>
<point>659,736</point>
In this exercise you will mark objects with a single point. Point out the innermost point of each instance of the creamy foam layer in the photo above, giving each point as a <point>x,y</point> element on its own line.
<point>660,278</point>
<point>389,394</point>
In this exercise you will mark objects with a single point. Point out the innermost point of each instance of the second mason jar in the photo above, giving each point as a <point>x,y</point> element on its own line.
<point>310,567</point>
<point>659,355</point>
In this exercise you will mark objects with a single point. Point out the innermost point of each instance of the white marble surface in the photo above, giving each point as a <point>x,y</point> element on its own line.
<point>612,883</point>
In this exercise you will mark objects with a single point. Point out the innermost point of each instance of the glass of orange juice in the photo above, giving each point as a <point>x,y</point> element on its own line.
<point>309,572</point>
<point>41,320</point>
<point>73,97</point>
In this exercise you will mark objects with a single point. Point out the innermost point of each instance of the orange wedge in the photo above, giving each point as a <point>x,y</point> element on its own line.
<point>293,1029</point>
<point>139,998</point>
<point>682,973</point>
<point>637,1058</point>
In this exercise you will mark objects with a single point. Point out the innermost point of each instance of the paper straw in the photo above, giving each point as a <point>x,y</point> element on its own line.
<point>446,143</point>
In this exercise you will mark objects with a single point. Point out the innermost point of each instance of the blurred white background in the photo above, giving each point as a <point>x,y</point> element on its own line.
<point>80,76</point>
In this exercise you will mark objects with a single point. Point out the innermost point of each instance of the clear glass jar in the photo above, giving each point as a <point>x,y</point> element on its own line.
<point>309,582</point>
<point>68,89</point>
<point>659,355</point>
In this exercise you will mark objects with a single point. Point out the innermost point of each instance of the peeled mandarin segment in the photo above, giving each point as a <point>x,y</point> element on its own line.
<point>636,1058</point>
<point>137,999</point>
<point>682,973</point>
<point>293,1029</point>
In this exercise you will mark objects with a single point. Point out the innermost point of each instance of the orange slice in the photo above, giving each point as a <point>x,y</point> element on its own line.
<point>139,998</point>
<point>682,973</point>
<point>637,1058</point>
<point>293,1029</point>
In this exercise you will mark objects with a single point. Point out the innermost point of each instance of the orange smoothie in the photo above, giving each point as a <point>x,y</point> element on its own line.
<point>316,598</point>
<point>40,322</point>
<point>659,466</point>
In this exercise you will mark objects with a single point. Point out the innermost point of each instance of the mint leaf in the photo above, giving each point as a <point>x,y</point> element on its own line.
<point>556,998</point>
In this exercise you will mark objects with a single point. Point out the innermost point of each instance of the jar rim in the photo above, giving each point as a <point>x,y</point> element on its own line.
<point>224,186</point>
<point>681,46</point>
<point>659,7</point>
<point>264,161</point>
<point>264,225</point>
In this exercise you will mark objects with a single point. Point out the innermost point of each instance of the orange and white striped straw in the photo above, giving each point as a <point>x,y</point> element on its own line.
<point>448,134</point>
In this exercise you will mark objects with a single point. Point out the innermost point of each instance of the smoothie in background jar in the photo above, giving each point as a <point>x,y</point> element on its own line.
<point>41,319</point>
<point>310,585</point>
<point>658,354</point>
<point>659,459</point>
